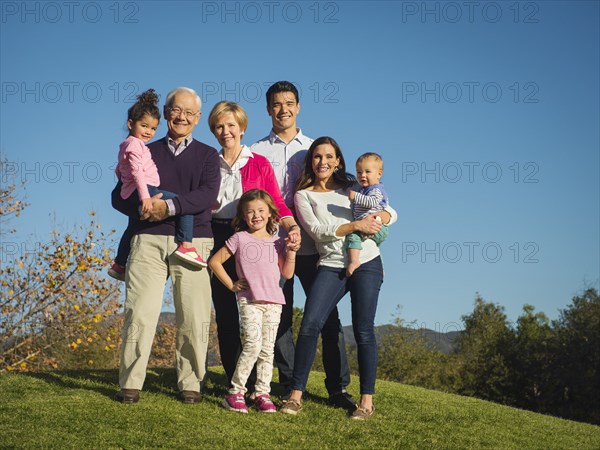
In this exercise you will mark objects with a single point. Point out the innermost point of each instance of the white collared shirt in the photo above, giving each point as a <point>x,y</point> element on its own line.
<point>287,160</point>
<point>231,185</point>
<point>182,145</point>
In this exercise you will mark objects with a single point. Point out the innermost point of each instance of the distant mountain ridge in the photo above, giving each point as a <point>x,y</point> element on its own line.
<point>443,342</point>
<point>435,340</point>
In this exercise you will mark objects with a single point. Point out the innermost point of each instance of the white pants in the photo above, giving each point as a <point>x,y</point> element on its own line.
<point>258,323</point>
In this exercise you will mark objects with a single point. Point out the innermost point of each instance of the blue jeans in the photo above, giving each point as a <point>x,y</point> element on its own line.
<point>331,284</point>
<point>184,232</point>
<point>335,361</point>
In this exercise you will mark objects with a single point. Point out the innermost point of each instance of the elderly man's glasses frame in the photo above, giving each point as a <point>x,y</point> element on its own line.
<point>176,112</point>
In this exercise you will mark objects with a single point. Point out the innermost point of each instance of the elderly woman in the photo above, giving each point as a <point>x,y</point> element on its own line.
<point>241,170</point>
<point>323,209</point>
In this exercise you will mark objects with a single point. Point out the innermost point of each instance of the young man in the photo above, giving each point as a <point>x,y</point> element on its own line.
<point>190,169</point>
<point>285,147</point>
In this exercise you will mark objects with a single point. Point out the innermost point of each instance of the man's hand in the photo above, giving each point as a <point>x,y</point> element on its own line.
<point>158,211</point>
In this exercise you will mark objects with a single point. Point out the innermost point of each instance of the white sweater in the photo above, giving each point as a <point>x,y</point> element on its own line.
<point>321,214</point>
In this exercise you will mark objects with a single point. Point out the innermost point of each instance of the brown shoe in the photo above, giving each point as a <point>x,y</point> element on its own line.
<point>292,407</point>
<point>190,396</point>
<point>362,413</point>
<point>128,396</point>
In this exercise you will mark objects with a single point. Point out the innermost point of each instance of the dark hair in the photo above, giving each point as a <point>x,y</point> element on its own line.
<point>147,103</point>
<point>239,221</point>
<point>341,178</point>
<point>281,86</point>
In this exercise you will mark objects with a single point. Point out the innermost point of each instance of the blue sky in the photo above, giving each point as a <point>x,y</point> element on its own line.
<point>486,115</point>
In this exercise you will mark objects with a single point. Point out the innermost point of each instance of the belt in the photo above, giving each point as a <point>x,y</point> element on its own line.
<point>221,221</point>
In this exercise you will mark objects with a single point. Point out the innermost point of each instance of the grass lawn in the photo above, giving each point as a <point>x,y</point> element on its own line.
<point>74,409</point>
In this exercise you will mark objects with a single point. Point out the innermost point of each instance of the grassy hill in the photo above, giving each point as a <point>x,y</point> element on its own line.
<point>74,409</point>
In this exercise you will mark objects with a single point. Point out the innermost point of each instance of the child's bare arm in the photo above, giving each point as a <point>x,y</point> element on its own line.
<point>216,265</point>
<point>287,261</point>
<point>146,205</point>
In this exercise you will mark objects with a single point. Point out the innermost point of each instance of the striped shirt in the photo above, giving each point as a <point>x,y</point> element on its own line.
<point>369,200</point>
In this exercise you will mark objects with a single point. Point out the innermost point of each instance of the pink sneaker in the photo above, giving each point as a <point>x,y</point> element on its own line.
<point>117,271</point>
<point>190,255</point>
<point>264,404</point>
<point>235,402</point>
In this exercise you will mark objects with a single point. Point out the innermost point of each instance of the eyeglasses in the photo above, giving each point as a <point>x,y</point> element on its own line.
<point>176,112</point>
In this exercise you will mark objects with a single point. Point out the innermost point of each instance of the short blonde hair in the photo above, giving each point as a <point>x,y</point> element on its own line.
<point>371,155</point>
<point>225,107</point>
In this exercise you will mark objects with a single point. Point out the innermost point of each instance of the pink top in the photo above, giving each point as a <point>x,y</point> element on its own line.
<point>257,261</point>
<point>258,173</point>
<point>135,168</point>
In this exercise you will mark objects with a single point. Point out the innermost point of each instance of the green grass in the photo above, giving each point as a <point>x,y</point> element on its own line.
<point>74,409</point>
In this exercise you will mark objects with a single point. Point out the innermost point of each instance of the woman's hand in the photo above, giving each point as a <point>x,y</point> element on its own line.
<point>294,235</point>
<point>293,229</point>
<point>291,246</point>
<point>368,226</point>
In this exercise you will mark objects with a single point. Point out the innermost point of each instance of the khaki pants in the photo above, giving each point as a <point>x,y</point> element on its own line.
<point>150,261</point>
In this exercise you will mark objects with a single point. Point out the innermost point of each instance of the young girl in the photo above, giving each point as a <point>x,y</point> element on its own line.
<point>261,260</point>
<point>138,173</point>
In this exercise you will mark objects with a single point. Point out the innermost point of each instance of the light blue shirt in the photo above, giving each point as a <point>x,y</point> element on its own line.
<point>287,160</point>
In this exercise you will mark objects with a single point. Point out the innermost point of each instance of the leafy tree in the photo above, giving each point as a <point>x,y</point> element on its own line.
<point>57,308</point>
<point>406,357</point>
<point>11,203</point>
<point>532,356</point>
<point>484,350</point>
<point>576,367</point>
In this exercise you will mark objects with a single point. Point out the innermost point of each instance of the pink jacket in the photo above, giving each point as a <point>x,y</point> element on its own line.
<point>135,168</point>
<point>258,174</point>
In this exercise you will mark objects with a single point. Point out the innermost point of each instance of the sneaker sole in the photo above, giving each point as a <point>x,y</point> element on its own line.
<point>191,260</point>
<point>289,411</point>
<point>270,411</point>
<point>225,405</point>
<point>116,275</point>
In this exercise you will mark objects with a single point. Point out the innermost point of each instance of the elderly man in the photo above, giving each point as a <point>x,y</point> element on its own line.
<point>190,169</point>
<point>285,147</point>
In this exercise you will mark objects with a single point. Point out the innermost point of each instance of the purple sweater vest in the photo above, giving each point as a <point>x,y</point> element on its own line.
<point>194,175</point>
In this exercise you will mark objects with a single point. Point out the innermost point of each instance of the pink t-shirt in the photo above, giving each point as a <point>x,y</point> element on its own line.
<point>135,168</point>
<point>257,261</point>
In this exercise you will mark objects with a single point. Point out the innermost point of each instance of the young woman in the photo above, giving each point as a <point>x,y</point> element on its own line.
<point>324,211</point>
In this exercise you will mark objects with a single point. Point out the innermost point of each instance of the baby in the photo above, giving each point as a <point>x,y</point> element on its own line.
<point>371,198</point>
